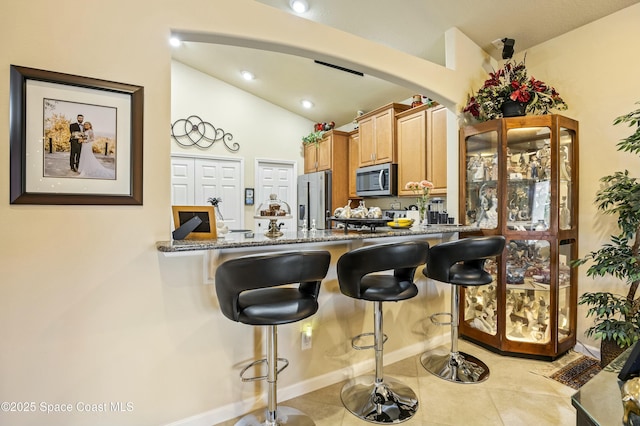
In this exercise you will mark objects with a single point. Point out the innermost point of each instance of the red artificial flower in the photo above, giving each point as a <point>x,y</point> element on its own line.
<point>473,107</point>
<point>520,93</point>
<point>537,85</point>
<point>494,79</point>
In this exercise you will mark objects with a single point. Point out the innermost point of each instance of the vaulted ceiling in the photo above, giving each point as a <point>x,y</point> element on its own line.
<point>416,27</point>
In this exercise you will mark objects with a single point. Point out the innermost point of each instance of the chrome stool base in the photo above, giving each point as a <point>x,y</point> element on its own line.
<point>457,367</point>
<point>384,403</point>
<point>284,416</point>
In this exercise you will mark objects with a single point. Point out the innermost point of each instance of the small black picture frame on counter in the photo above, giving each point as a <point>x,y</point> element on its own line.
<point>249,196</point>
<point>206,230</point>
<point>186,228</point>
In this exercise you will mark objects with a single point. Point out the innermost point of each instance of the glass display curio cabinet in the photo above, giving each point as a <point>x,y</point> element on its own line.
<point>519,178</point>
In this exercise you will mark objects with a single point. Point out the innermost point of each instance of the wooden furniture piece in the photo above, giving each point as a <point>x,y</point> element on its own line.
<point>519,178</point>
<point>328,154</point>
<point>422,148</point>
<point>377,131</point>
<point>311,157</point>
<point>354,152</point>
<point>331,153</point>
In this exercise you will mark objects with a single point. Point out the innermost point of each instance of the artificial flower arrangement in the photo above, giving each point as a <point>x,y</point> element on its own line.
<point>319,130</point>
<point>421,189</point>
<point>511,83</point>
<point>215,202</point>
<point>222,228</point>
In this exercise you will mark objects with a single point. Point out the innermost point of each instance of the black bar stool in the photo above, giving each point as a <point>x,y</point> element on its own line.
<point>256,290</point>
<point>374,398</point>
<point>459,263</point>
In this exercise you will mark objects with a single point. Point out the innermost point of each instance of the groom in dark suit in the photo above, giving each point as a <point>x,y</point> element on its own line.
<point>75,142</point>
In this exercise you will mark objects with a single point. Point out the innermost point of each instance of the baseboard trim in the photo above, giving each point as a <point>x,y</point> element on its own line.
<point>237,409</point>
<point>591,351</point>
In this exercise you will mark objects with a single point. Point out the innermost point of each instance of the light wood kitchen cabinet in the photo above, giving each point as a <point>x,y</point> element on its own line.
<point>330,151</point>
<point>422,148</point>
<point>354,152</point>
<point>310,158</point>
<point>377,130</point>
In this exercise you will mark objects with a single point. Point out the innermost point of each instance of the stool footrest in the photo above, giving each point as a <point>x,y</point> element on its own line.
<point>363,335</point>
<point>262,361</point>
<point>434,318</point>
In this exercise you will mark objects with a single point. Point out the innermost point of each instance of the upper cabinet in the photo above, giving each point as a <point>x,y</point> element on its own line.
<point>330,152</point>
<point>354,151</point>
<point>310,157</point>
<point>377,130</point>
<point>422,148</point>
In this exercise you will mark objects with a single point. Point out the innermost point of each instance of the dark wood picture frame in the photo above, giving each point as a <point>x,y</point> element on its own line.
<point>128,190</point>
<point>206,230</point>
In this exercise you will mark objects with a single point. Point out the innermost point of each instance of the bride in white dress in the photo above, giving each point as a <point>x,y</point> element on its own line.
<point>89,165</point>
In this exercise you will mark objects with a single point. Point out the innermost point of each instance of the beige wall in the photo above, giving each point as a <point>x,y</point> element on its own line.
<point>91,312</point>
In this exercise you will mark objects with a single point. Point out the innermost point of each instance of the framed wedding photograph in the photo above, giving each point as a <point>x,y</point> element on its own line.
<point>74,140</point>
<point>206,229</point>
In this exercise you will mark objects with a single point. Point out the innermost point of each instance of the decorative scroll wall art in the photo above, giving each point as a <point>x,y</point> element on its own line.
<point>193,130</point>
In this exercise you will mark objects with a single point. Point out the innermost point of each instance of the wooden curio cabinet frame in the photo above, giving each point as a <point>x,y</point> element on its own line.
<point>519,178</point>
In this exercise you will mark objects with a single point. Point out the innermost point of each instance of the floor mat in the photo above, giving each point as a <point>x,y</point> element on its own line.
<point>578,372</point>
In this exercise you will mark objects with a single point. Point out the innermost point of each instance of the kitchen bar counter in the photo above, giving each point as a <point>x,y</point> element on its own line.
<point>187,265</point>
<point>238,239</point>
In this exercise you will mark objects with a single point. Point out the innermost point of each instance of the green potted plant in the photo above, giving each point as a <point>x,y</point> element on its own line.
<point>509,91</point>
<point>313,137</point>
<point>319,129</point>
<point>617,317</point>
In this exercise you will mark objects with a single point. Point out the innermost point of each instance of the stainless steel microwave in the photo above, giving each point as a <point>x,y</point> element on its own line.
<point>377,180</point>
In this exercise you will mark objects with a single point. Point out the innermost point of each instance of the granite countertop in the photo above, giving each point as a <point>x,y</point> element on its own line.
<point>239,239</point>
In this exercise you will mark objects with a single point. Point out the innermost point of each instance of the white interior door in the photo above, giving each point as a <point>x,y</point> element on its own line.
<point>182,181</point>
<point>280,178</point>
<point>196,179</point>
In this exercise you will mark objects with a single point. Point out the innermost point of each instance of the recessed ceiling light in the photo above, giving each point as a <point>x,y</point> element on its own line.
<point>248,75</point>
<point>174,41</point>
<point>299,6</point>
<point>306,104</point>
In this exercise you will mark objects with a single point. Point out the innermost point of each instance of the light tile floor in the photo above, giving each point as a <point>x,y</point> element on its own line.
<point>515,394</point>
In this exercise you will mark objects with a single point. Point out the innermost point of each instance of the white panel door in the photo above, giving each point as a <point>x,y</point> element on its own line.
<point>182,181</point>
<point>222,179</point>
<point>276,177</point>
<point>207,181</point>
<point>210,178</point>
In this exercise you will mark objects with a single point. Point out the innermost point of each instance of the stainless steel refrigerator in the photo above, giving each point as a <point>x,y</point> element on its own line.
<point>314,200</point>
